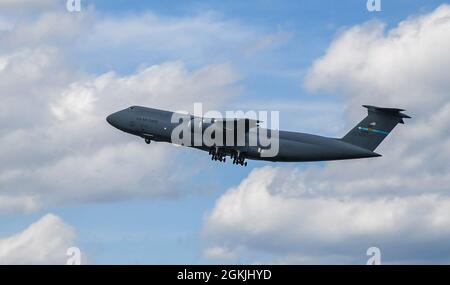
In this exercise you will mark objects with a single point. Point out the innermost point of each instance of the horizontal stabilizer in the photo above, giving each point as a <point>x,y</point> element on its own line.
<point>388,111</point>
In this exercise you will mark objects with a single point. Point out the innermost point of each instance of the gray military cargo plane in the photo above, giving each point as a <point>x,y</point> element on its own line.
<point>360,142</point>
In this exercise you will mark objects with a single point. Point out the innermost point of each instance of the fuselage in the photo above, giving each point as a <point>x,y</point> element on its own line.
<point>156,125</point>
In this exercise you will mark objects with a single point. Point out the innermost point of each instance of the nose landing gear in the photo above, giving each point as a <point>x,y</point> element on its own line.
<point>148,141</point>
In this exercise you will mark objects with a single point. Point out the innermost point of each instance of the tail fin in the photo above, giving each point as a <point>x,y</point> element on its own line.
<point>372,130</point>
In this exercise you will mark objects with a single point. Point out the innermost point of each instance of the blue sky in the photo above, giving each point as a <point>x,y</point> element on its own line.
<point>161,230</point>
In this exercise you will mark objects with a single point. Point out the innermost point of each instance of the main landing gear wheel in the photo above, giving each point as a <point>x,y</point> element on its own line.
<point>218,154</point>
<point>148,141</point>
<point>239,159</point>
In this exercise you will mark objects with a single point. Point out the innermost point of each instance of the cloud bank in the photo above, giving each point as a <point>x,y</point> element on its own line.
<point>399,202</point>
<point>56,147</point>
<point>43,242</point>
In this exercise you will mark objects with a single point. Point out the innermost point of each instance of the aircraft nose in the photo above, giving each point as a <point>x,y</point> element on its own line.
<point>111,120</point>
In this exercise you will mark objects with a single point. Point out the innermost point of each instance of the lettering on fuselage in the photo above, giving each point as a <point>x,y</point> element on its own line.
<point>146,119</point>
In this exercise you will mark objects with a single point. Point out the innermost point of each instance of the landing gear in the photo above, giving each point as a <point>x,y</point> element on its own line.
<point>148,141</point>
<point>219,155</point>
<point>239,159</point>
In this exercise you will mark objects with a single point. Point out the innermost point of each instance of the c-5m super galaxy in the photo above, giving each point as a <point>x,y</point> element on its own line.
<point>360,142</point>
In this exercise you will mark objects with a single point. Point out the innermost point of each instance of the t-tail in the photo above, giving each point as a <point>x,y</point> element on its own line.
<point>374,128</point>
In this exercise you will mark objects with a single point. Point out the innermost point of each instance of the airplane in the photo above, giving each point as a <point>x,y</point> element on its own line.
<point>360,142</point>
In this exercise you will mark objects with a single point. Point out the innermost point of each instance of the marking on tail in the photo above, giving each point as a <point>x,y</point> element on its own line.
<point>375,127</point>
<point>370,130</point>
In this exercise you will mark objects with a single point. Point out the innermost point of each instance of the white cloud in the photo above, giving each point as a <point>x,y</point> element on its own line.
<point>400,201</point>
<point>219,253</point>
<point>23,4</point>
<point>406,66</point>
<point>11,203</point>
<point>75,155</point>
<point>44,242</point>
<point>269,214</point>
<point>5,26</point>
<point>56,146</point>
